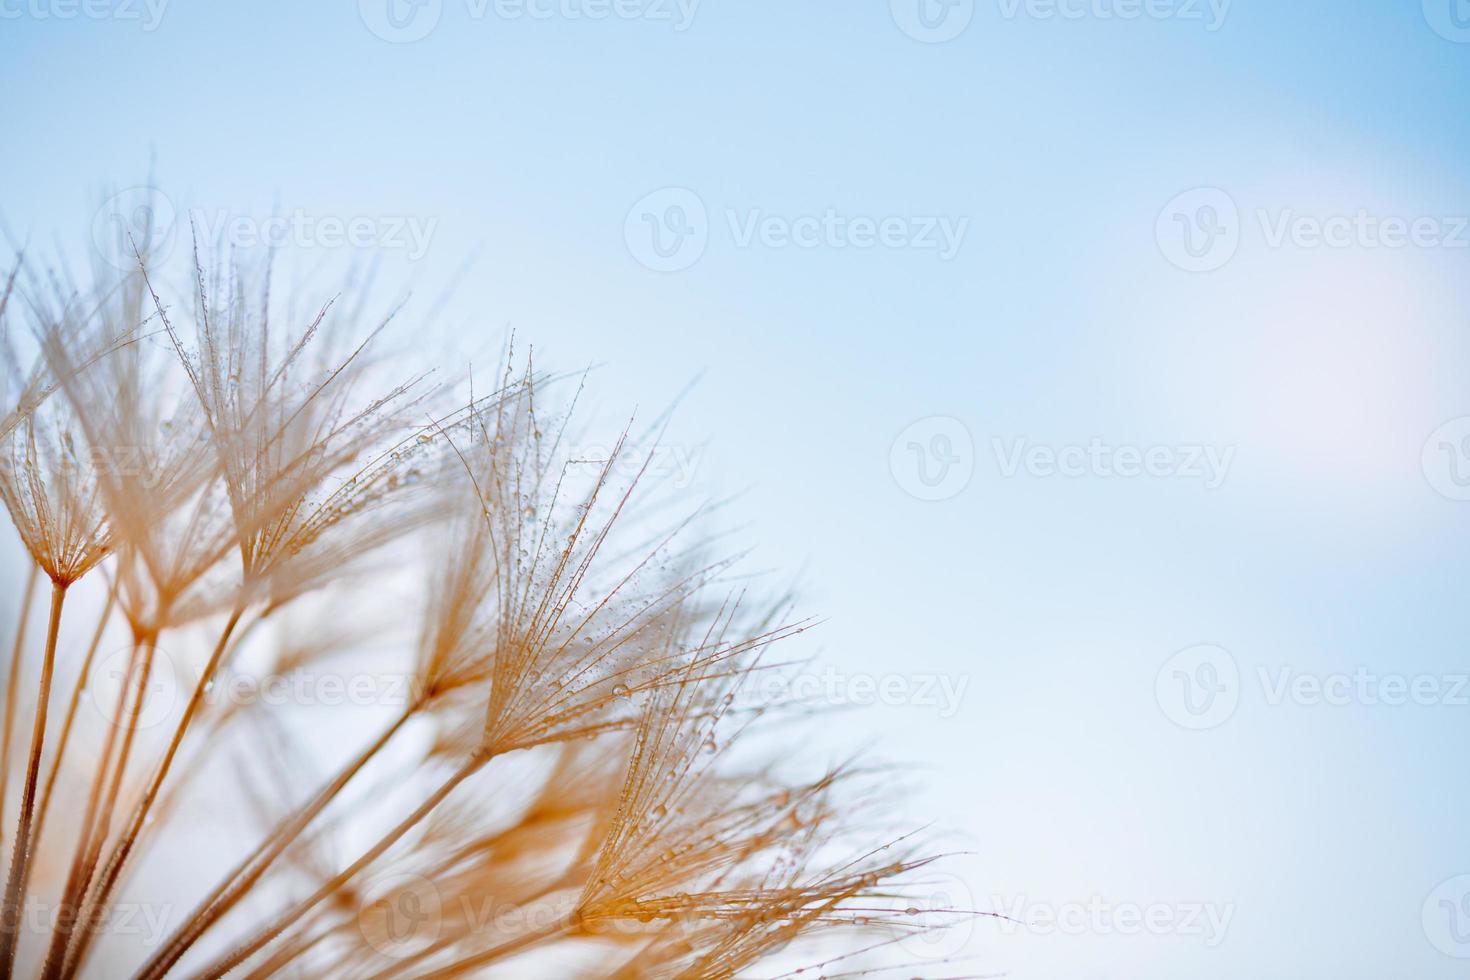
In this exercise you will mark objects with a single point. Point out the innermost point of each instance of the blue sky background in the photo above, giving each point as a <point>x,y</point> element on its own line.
<point>1333,543</point>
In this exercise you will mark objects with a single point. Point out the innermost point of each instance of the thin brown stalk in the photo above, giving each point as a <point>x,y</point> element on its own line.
<point>238,882</point>
<point>245,950</point>
<point>64,737</point>
<point>543,634</point>
<point>120,851</point>
<point>20,861</point>
<point>15,653</point>
<point>408,962</point>
<point>99,817</point>
<point>274,963</point>
<point>460,967</point>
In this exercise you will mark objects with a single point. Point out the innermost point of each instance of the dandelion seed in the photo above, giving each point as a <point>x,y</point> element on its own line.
<point>275,516</point>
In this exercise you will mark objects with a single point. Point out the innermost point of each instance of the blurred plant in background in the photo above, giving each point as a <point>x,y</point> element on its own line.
<point>531,686</point>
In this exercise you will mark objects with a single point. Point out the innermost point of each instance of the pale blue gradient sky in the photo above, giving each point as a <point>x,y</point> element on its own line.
<point>1322,829</point>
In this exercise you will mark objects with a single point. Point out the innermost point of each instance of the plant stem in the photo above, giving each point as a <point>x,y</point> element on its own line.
<point>20,640</point>
<point>515,945</point>
<point>278,960</point>
<point>21,853</point>
<point>237,883</point>
<point>97,819</point>
<point>243,952</point>
<point>113,869</point>
<point>404,964</point>
<point>71,711</point>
